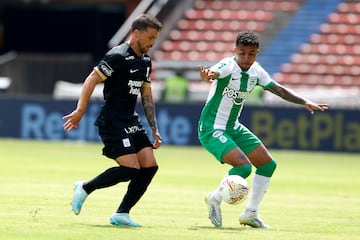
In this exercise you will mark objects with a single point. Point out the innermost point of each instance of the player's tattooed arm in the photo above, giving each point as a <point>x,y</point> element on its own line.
<point>291,96</point>
<point>287,94</point>
<point>149,110</point>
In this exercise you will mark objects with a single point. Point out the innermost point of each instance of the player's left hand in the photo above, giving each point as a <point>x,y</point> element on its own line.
<point>311,107</point>
<point>157,140</point>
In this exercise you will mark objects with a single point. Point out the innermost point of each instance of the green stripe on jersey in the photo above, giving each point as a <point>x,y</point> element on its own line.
<point>244,81</point>
<point>237,107</point>
<point>208,116</point>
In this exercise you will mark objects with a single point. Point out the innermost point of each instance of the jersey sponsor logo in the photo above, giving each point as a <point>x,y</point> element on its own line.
<point>133,129</point>
<point>133,70</point>
<point>238,97</point>
<point>134,87</point>
<point>106,69</point>
<point>133,83</point>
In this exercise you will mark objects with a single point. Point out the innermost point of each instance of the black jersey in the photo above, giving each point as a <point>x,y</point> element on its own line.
<point>125,73</point>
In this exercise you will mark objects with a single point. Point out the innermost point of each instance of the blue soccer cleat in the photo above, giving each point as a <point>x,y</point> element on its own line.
<point>123,220</point>
<point>79,197</point>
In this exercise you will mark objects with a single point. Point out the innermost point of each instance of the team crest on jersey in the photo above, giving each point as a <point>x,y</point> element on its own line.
<point>106,69</point>
<point>252,82</point>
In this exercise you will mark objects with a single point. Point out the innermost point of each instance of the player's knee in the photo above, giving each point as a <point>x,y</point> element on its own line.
<point>242,170</point>
<point>267,169</point>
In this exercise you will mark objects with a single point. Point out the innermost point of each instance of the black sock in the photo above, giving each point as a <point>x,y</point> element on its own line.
<point>111,177</point>
<point>137,187</point>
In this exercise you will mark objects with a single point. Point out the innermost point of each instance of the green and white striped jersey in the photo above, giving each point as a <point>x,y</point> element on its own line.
<point>228,93</point>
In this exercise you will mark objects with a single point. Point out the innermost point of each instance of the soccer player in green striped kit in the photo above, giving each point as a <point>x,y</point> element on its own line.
<point>230,142</point>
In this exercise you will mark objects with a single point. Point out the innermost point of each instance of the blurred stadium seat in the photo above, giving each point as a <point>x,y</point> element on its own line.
<point>212,21</point>
<point>331,58</point>
<point>323,61</point>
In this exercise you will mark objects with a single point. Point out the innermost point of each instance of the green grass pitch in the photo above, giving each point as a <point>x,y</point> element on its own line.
<point>313,195</point>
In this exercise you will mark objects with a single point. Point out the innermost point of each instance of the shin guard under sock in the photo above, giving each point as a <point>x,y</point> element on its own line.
<point>137,187</point>
<point>111,177</point>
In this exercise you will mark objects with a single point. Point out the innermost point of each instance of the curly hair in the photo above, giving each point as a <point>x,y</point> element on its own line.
<point>247,38</point>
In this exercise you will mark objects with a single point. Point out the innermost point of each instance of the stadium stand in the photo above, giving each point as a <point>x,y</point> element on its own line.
<point>208,29</point>
<point>312,53</point>
<point>311,46</point>
<point>328,63</point>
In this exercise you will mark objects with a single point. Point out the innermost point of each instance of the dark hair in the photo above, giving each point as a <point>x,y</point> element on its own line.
<point>247,38</point>
<point>144,21</point>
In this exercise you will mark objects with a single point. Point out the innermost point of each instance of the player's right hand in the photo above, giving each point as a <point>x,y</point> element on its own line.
<point>157,140</point>
<point>73,120</point>
<point>206,74</point>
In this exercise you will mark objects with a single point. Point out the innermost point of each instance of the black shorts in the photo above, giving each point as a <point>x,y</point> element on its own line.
<point>130,139</point>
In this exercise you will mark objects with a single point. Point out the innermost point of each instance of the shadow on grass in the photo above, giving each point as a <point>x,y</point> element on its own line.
<point>223,229</point>
<point>192,228</point>
<point>109,226</point>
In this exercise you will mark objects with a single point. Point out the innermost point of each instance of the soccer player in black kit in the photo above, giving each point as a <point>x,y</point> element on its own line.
<point>125,71</point>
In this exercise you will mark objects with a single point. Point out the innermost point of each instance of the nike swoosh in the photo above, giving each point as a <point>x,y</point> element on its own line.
<point>133,70</point>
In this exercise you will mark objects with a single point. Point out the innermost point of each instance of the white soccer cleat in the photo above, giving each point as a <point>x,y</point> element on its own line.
<point>214,210</point>
<point>250,218</point>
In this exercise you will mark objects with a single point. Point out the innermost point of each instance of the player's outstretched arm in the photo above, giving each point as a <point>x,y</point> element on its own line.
<point>290,96</point>
<point>73,119</point>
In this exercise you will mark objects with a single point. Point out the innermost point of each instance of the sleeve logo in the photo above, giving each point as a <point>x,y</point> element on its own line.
<point>106,69</point>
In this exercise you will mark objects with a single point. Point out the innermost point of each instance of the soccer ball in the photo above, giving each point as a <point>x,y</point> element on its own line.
<point>233,189</point>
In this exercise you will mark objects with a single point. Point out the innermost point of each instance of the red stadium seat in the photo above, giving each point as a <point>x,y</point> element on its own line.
<point>219,25</point>
<point>325,59</point>
<point>253,5</point>
<point>344,18</point>
<point>227,14</point>
<point>335,39</point>
<point>330,49</point>
<point>351,7</point>
<point>212,26</point>
<point>316,79</point>
<point>342,28</point>
<point>191,55</point>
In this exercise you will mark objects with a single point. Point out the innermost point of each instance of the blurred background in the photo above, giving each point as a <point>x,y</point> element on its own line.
<point>48,47</point>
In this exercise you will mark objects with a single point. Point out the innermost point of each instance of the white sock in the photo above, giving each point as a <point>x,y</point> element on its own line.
<point>259,186</point>
<point>216,193</point>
